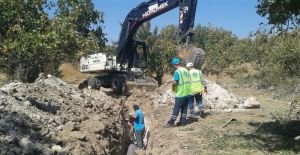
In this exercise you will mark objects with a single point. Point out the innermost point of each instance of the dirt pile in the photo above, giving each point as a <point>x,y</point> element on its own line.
<point>217,98</point>
<point>50,116</point>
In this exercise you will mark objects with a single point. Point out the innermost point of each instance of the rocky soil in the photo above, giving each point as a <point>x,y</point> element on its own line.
<point>217,98</point>
<point>50,116</point>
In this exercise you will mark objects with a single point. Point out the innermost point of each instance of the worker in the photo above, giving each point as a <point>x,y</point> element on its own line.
<point>139,125</point>
<point>197,85</point>
<point>182,89</point>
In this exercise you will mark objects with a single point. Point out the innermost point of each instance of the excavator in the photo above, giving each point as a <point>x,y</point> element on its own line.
<point>127,66</point>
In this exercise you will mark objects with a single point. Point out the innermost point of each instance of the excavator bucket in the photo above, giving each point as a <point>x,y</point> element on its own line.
<point>192,54</point>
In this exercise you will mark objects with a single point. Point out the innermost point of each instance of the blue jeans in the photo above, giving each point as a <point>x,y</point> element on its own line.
<point>181,105</point>
<point>198,98</point>
<point>139,134</point>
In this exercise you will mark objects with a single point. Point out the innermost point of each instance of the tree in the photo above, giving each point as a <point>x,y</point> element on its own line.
<point>216,43</point>
<point>160,56</point>
<point>169,32</point>
<point>31,42</point>
<point>283,15</point>
<point>161,48</point>
<point>143,32</point>
<point>85,16</point>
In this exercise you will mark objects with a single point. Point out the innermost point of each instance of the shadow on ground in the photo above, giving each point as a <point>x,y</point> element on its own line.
<point>273,136</point>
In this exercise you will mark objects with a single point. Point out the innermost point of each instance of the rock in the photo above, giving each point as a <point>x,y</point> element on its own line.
<point>59,128</point>
<point>10,88</point>
<point>56,149</point>
<point>27,103</point>
<point>11,139</point>
<point>25,142</point>
<point>47,151</point>
<point>45,131</point>
<point>42,112</point>
<point>98,136</point>
<point>27,145</point>
<point>251,103</point>
<point>297,138</point>
<point>42,76</point>
<point>78,135</point>
<point>69,126</point>
<point>59,120</point>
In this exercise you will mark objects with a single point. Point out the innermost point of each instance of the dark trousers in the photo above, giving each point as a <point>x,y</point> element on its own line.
<point>181,105</point>
<point>198,98</point>
<point>139,138</point>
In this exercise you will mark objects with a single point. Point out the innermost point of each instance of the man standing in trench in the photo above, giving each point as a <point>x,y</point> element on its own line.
<point>139,125</point>
<point>182,89</point>
<point>197,85</point>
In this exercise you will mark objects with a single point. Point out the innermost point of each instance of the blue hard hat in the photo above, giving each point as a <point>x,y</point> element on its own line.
<point>175,61</point>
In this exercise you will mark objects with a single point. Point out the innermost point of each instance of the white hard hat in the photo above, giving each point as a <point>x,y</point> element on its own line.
<point>189,64</point>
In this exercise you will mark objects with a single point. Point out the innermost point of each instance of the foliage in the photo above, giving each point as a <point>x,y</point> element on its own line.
<point>31,42</point>
<point>170,33</point>
<point>216,42</point>
<point>270,59</point>
<point>281,60</point>
<point>274,59</point>
<point>161,48</point>
<point>281,14</point>
<point>160,57</point>
<point>143,32</point>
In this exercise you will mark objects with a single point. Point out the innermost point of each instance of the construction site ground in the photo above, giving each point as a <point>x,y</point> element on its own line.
<point>254,132</point>
<point>251,131</point>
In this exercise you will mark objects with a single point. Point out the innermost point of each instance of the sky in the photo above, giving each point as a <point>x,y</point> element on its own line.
<point>238,16</point>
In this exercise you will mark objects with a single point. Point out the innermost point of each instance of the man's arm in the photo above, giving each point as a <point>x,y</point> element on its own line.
<point>132,115</point>
<point>175,80</point>
<point>203,81</point>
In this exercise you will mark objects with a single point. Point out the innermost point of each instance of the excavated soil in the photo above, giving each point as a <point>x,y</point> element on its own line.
<point>50,116</point>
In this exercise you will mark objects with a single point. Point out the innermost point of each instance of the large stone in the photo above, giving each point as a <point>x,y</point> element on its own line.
<point>27,145</point>
<point>25,142</point>
<point>10,88</point>
<point>56,149</point>
<point>69,126</point>
<point>60,120</point>
<point>27,103</point>
<point>251,103</point>
<point>78,135</point>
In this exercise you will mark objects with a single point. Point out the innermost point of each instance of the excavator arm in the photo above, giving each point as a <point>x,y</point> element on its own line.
<point>126,50</point>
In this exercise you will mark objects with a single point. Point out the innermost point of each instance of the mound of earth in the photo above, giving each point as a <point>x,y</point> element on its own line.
<point>217,98</point>
<point>50,116</point>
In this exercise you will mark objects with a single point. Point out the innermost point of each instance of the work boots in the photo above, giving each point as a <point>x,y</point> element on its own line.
<point>202,114</point>
<point>170,124</point>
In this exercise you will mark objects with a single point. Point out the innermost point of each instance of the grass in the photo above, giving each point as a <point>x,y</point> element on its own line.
<point>3,78</point>
<point>71,74</point>
<point>270,138</point>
